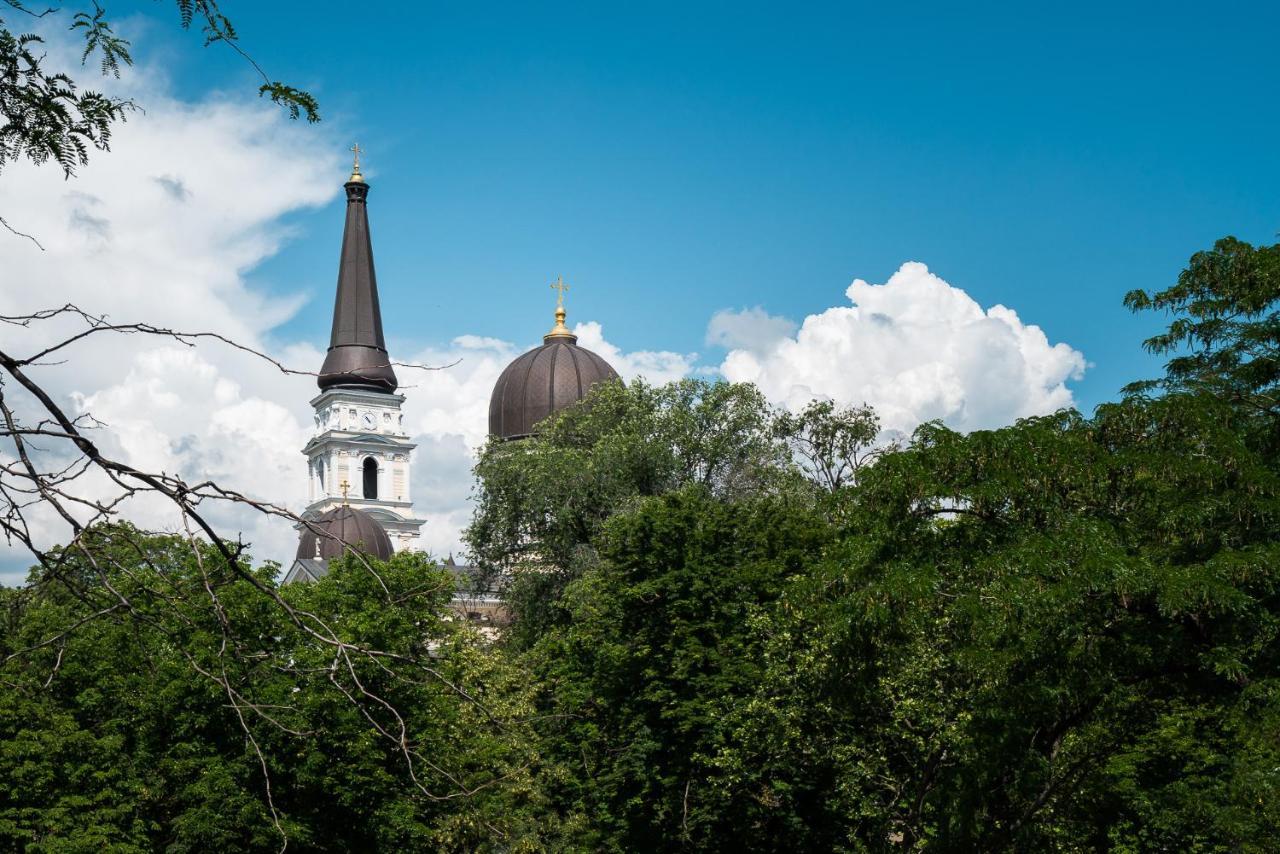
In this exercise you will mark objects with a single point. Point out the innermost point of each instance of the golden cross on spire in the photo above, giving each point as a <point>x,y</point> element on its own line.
<point>355,165</point>
<point>559,285</point>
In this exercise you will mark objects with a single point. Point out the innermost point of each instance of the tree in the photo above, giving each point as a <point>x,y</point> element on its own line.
<point>182,729</point>
<point>1030,642</point>
<point>542,501</point>
<point>1060,635</point>
<point>663,641</point>
<point>1225,335</point>
<point>832,444</point>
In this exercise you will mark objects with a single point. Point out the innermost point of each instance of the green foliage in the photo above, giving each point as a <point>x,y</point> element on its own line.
<point>832,444</point>
<point>45,116</point>
<point>543,501</point>
<point>99,38</point>
<point>732,633</point>
<point>296,101</point>
<point>1029,641</point>
<point>1061,635</point>
<point>1225,318</point>
<point>663,642</point>
<point>149,727</point>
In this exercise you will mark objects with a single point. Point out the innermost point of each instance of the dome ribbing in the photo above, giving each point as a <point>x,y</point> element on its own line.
<point>542,381</point>
<point>344,529</point>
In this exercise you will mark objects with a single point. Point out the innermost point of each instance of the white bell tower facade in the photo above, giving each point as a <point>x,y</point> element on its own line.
<point>361,456</point>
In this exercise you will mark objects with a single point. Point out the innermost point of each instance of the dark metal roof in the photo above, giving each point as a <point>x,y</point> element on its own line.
<point>357,356</point>
<point>341,529</point>
<point>543,381</point>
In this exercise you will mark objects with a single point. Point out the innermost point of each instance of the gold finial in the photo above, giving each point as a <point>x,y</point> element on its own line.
<point>344,486</point>
<point>560,330</point>
<point>355,165</point>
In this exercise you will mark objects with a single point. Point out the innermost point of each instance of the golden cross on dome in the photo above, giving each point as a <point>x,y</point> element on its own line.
<point>559,285</point>
<point>344,486</point>
<point>355,165</point>
<point>559,330</point>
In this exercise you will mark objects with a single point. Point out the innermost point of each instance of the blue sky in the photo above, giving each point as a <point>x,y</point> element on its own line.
<point>674,160</point>
<point>673,163</point>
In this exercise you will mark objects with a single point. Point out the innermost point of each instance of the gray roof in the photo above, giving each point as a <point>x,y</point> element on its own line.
<point>542,381</point>
<point>357,356</point>
<point>307,569</point>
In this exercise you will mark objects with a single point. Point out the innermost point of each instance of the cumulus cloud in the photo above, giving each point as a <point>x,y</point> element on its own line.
<point>454,400</point>
<point>161,229</point>
<point>751,329</point>
<point>177,412</point>
<point>656,366</point>
<point>916,348</point>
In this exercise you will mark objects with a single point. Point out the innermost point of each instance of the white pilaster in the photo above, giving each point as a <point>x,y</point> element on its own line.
<point>353,424</point>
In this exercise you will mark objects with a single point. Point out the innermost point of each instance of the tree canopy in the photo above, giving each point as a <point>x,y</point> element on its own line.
<point>1059,635</point>
<point>179,728</point>
<point>735,628</point>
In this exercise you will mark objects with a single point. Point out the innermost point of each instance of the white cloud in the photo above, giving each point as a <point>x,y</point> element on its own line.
<point>161,229</point>
<point>442,488</point>
<point>751,329</point>
<point>915,347</point>
<point>447,413</point>
<point>656,366</point>
<point>454,400</point>
<point>176,412</point>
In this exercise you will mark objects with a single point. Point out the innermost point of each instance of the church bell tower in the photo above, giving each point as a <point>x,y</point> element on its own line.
<point>360,454</point>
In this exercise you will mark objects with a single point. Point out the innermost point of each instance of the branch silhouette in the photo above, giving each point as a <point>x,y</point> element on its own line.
<point>52,465</point>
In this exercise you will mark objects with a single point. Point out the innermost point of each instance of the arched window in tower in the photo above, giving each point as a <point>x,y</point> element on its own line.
<point>320,473</point>
<point>370,477</point>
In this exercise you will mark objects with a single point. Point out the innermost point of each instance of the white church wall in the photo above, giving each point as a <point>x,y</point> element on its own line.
<point>352,426</point>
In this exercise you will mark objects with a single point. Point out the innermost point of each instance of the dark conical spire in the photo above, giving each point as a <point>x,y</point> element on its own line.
<point>357,356</point>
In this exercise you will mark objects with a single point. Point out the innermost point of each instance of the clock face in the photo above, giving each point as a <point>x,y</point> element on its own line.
<point>368,420</point>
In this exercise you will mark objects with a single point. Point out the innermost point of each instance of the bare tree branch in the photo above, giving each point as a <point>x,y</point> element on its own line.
<point>44,466</point>
<point>5,223</point>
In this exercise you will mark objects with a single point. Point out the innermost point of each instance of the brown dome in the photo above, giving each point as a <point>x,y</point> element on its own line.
<point>344,528</point>
<point>543,381</point>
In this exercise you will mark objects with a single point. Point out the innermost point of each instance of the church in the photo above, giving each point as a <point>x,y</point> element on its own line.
<point>360,459</point>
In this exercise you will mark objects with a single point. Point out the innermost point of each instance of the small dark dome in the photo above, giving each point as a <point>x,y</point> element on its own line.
<point>545,380</point>
<point>344,528</point>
